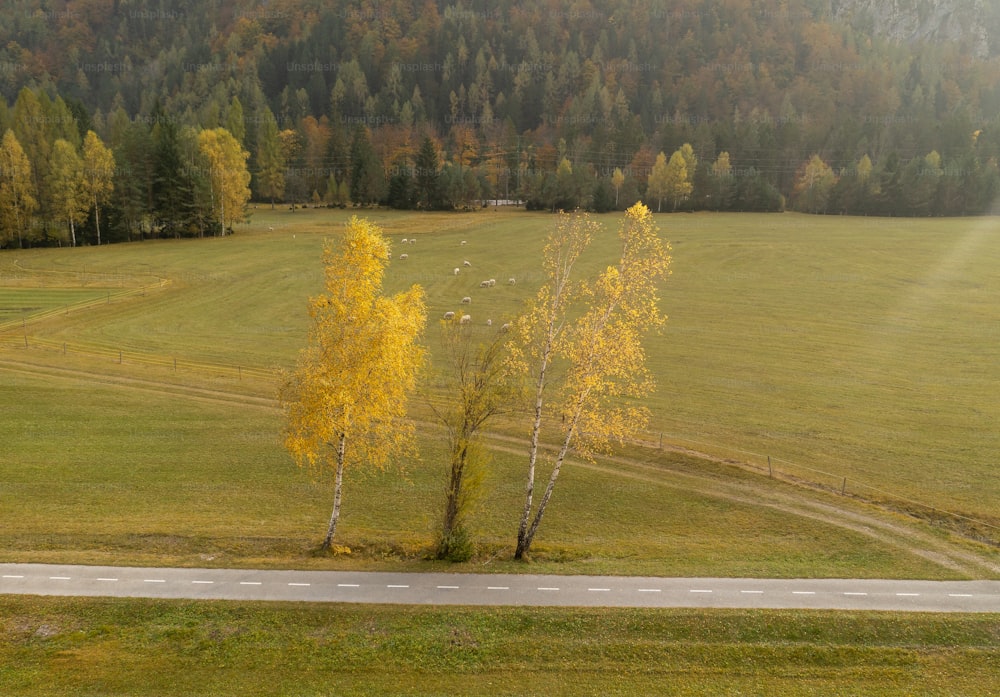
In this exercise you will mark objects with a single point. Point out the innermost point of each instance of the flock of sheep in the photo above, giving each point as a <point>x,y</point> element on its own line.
<point>467,300</point>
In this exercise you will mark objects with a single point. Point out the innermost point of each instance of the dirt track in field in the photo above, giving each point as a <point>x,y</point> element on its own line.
<point>891,529</point>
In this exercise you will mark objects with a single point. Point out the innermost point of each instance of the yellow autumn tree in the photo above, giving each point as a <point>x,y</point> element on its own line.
<point>17,188</point>
<point>345,403</point>
<point>594,331</point>
<point>229,178</point>
<point>98,175</point>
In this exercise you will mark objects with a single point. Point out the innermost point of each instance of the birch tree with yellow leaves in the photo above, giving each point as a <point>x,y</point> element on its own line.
<point>593,332</point>
<point>345,403</point>
<point>226,164</point>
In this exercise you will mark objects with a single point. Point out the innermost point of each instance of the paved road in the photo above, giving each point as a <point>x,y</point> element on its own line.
<point>499,589</point>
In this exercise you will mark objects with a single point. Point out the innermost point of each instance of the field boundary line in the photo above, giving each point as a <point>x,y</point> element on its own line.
<point>123,355</point>
<point>766,463</point>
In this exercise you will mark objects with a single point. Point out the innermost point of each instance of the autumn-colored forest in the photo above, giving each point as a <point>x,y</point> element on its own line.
<point>556,103</point>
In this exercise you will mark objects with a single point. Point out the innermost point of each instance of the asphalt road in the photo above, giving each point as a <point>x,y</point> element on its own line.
<point>499,589</point>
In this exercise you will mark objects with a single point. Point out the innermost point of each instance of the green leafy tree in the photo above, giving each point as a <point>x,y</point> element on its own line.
<point>481,386</point>
<point>270,159</point>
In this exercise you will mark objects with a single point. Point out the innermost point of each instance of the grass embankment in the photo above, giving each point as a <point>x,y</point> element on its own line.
<point>151,647</point>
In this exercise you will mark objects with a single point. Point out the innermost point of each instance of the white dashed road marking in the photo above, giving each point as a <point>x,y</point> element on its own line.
<point>12,576</point>
<point>498,588</point>
<point>960,595</point>
<point>546,588</point>
<point>599,590</point>
<point>299,584</point>
<point>803,592</point>
<point>107,579</point>
<point>853,593</point>
<point>153,580</point>
<point>448,587</point>
<point>754,592</point>
<point>700,590</point>
<point>204,582</point>
<point>908,595</point>
<point>250,583</point>
<point>349,585</point>
<point>392,585</point>
<point>648,590</point>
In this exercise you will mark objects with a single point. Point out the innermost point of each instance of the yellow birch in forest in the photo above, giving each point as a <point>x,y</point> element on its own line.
<point>228,175</point>
<point>98,174</point>
<point>601,349</point>
<point>17,188</point>
<point>345,402</point>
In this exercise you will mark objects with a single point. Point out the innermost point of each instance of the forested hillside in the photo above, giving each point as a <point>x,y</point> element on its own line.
<point>826,106</point>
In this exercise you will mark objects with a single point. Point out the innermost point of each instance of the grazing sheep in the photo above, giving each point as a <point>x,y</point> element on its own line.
<point>456,271</point>
<point>466,263</point>
<point>505,327</point>
<point>466,300</point>
<point>449,315</point>
<point>484,284</point>
<point>489,323</point>
<point>404,256</point>
<point>271,228</point>
<point>465,319</point>
<point>511,281</point>
<point>463,241</point>
<point>492,282</point>
<point>404,241</point>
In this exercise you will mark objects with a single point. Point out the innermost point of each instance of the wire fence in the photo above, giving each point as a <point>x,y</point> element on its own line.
<point>133,357</point>
<point>774,467</point>
<point>844,484</point>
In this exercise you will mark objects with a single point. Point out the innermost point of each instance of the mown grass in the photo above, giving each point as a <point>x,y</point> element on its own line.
<point>95,473</point>
<point>24,303</point>
<point>865,348</point>
<point>159,647</point>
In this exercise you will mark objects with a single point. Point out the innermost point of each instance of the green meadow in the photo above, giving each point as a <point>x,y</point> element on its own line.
<point>139,427</point>
<point>80,647</point>
<point>858,353</point>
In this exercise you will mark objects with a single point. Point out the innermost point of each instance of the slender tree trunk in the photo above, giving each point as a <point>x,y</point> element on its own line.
<point>338,484</point>
<point>97,221</point>
<point>529,536</point>
<point>72,232</point>
<point>523,541</point>
<point>451,511</point>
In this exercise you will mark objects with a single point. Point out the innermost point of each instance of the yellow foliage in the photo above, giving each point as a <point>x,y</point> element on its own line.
<point>362,359</point>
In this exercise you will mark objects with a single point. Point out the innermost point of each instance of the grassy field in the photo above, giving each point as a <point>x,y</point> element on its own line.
<point>138,647</point>
<point>862,348</point>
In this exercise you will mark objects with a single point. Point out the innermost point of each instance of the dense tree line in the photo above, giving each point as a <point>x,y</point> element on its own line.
<point>60,183</point>
<point>559,104</point>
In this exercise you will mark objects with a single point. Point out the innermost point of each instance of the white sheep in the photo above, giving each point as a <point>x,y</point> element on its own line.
<point>511,281</point>
<point>505,327</point>
<point>463,241</point>
<point>484,284</point>
<point>465,319</point>
<point>466,263</point>
<point>456,271</point>
<point>492,282</point>
<point>489,323</point>
<point>404,241</point>
<point>449,315</point>
<point>404,256</point>
<point>466,300</point>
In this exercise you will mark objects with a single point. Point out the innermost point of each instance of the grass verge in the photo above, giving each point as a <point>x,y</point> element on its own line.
<point>156,647</point>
